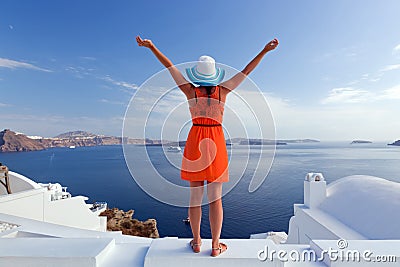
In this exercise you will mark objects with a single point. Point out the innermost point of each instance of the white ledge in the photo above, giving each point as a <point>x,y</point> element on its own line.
<point>177,252</point>
<point>22,252</point>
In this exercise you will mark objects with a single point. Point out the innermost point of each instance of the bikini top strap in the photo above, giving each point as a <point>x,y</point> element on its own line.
<point>219,94</point>
<point>195,94</point>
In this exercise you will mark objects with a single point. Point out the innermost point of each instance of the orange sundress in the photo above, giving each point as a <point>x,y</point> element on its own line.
<point>205,157</point>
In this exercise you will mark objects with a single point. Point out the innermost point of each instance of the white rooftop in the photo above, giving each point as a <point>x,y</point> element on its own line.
<point>368,204</point>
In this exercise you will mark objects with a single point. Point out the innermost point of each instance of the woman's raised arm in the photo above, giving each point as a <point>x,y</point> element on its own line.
<point>237,79</point>
<point>180,80</point>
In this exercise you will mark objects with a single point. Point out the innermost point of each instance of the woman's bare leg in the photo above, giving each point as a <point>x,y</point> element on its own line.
<point>214,192</point>
<point>196,196</point>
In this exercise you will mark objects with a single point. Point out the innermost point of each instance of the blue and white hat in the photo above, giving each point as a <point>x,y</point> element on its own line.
<point>205,73</point>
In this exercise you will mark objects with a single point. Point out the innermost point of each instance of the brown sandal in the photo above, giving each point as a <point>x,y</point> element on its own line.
<point>221,249</point>
<point>195,246</point>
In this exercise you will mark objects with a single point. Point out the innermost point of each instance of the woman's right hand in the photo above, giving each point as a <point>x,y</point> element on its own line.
<point>146,42</point>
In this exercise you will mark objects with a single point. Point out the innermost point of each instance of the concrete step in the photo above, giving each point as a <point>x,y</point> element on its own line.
<point>120,238</point>
<point>60,252</point>
<point>127,254</point>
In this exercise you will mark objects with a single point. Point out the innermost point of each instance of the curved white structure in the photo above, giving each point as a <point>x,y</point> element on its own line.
<point>367,204</point>
<point>19,183</point>
<point>48,203</point>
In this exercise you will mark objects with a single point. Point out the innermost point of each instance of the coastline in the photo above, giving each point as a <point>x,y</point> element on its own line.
<point>11,141</point>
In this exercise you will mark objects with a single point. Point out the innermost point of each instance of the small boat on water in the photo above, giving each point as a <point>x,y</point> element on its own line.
<point>174,149</point>
<point>72,147</point>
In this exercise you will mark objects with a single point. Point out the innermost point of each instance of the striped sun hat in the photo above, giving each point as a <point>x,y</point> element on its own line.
<point>205,73</point>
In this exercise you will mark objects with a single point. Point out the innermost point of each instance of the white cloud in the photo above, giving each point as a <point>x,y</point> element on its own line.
<point>365,76</point>
<point>12,64</point>
<point>396,49</point>
<point>89,58</point>
<point>350,52</point>
<point>347,95</point>
<point>124,84</point>
<point>391,93</point>
<point>80,72</point>
<point>112,102</point>
<point>350,95</point>
<point>374,76</point>
<point>390,67</point>
<point>376,79</point>
<point>4,105</point>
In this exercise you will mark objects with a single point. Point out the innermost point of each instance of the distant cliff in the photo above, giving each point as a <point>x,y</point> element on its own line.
<point>360,142</point>
<point>118,220</point>
<point>255,141</point>
<point>13,142</point>
<point>81,138</point>
<point>245,141</point>
<point>75,134</point>
<point>261,142</point>
<point>396,143</point>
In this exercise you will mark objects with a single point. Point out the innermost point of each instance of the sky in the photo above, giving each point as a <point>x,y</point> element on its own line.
<point>74,65</point>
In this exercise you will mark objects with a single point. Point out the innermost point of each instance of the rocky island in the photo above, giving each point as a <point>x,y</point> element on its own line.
<point>254,141</point>
<point>396,143</point>
<point>261,142</point>
<point>360,142</point>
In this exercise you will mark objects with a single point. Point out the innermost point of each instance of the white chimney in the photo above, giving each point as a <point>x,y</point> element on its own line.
<point>314,189</point>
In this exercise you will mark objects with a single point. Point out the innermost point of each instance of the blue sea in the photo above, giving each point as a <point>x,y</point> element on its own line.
<point>101,174</point>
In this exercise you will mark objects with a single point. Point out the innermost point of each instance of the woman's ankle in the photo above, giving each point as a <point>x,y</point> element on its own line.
<point>197,240</point>
<point>215,244</point>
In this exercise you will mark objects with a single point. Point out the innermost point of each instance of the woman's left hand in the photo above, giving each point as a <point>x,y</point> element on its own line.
<point>271,45</point>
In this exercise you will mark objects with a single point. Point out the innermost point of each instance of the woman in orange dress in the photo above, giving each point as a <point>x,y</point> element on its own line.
<point>205,157</point>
